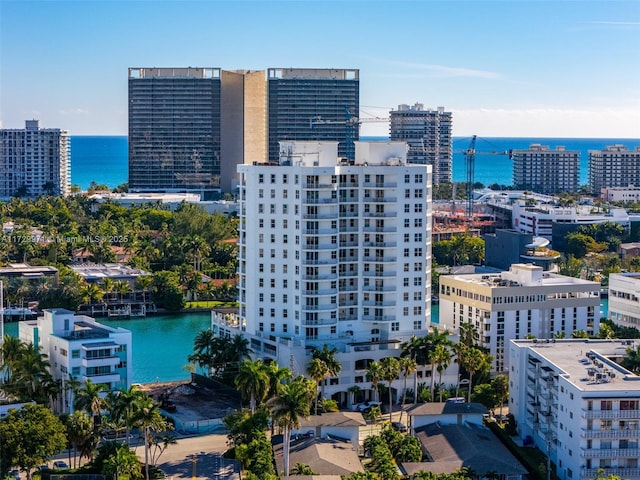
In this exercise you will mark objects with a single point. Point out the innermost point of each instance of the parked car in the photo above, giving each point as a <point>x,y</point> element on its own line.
<point>366,406</point>
<point>43,468</point>
<point>401,427</point>
<point>14,474</point>
<point>60,464</point>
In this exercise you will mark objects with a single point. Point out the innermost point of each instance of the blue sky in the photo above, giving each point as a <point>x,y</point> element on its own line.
<point>530,68</point>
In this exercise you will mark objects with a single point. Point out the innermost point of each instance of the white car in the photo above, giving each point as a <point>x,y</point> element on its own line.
<point>366,406</point>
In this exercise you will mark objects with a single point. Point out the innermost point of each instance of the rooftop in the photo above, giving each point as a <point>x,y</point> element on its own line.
<point>452,447</point>
<point>588,364</point>
<point>447,408</point>
<point>325,457</point>
<point>107,270</point>
<point>334,419</point>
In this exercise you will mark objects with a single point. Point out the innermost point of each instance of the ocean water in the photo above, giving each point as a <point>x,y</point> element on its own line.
<point>105,159</point>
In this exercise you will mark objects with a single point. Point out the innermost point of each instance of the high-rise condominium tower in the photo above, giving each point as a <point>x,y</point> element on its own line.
<point>546,171</point>
<point>615,166</point>
<point>174,129</point>
<point>35,161</point>
<point>333,252</point>
<point>313,104</point>
<point>428,134</point>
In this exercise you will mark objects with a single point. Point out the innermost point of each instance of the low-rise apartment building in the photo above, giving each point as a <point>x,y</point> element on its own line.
<point>524,301</point>
<point>78,347</point>
<point>573,400</point>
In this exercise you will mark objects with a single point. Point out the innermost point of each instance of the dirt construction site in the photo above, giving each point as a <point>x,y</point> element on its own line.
<point>195,407</point>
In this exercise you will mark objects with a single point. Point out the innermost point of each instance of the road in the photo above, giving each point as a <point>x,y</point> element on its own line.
<point>177,461</point>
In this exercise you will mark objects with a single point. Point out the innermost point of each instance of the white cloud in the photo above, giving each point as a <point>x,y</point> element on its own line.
<point>422,70</point>
<point>74,111</point>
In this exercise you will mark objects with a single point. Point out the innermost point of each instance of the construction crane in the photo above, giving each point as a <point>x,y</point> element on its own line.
<point>470,159</point>
<point>350,122</point>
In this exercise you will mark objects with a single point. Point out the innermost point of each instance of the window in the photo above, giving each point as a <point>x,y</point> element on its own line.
<point>261,178</point>
<point>63,352</point>
<point>606,405</point>
<point>75,353</point>
<point>407,178</point>
<point>417,324</point>
<point>417,208</point>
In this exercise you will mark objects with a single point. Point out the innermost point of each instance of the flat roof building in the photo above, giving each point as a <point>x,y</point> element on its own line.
<point>77,346</point>
<point>313,104</point>
<point>546,171</point>
<point>34,161</point>
<point>333,252</point>
<point>615,166</point>
<point>574,401</point>
<point>174,130</point>
<point>428,134</point>
<point>523,301</point>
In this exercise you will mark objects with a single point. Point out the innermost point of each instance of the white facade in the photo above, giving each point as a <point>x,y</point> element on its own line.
<point>523,301</point>
<point>629,193</point>
<point>539,219</point>
<point>36,159</point>
<point>624,299</point>
<point>77,346</point>
<point>333,253</point>
<point>578,405</point>
<point>428,134</point>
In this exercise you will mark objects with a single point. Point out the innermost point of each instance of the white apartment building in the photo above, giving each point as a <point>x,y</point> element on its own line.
<point>615,166</point>
<point>624,299</point>
<point>77,346</point>
<point>630,193</point>
<point>538,219</point>
<point>511,305</point>
<point>546,171</point>
<point>333,252</point>
<point>35,161</point>
<point>428,134</point>
<point>574,401</point>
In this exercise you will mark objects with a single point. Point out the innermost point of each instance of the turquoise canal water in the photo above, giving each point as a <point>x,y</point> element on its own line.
<point>162,343</point>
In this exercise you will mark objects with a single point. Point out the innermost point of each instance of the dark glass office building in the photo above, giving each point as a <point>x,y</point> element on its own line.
<point>307,104</point>
<point>174,130</point>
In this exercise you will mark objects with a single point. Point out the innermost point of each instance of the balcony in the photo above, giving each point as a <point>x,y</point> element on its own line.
<point>319,231</point>
<point>611,453</point>
<point>328,307</point>
<point>371,303</point>
<point>321,322</point>
<point>379,274</point>
<point>104,378</point>
<point>100,362</point>
<point>391,229</point>
<point>322,276</point>
<point>381,244</point>
<point>319,201</point>
<point>320,292</point>
<point>380,184</point>
<point>324,261</point>
<point>620,472</point>
<point>379,318</point>
<point>385,259</point>
<point>606,414</point>
<point>324,246</point>
<point>625,433</point>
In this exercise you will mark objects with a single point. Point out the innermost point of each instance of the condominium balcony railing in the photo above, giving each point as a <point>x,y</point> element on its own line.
<point>623,433</point>
<point>635,414</point>
<point>621,472</point>
<point>611,453</point>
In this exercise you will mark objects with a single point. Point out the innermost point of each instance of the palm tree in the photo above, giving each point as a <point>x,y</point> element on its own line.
<point>123,288</point>
<point>123,406</point>
<point>416,350</point>
<point>235,351</point>
<point>277,375</point>
<point>108,286</point>
<point>328,356</point>
<point>632,361</point>
<point>441,358</point>
<point>288,407</point>
<point>373,375</point>
<point>473,360</point>
<point>253,382</point>
<point>90,399</point>
<point>143,283</point>
<point>318,371</point>
<point>432,340</point>
<point>148,418</point>
<point>12,350</point>
<point>90,292</point>
<point>390,371</point>
<point>407,367</point>
<point>81,435</point>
